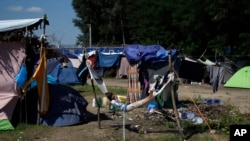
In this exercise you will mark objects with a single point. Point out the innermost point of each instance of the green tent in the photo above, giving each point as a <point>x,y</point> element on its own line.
<point>5,124</point>
<point>241,79</point>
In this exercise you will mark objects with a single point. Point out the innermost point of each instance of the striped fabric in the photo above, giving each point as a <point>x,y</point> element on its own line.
<point>134,87</point>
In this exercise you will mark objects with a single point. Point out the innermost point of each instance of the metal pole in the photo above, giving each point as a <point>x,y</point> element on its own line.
<point>123,129</point>
<point>90,36</point>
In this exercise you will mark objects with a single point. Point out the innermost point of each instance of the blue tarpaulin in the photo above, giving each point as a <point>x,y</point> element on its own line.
<point>108,60</point>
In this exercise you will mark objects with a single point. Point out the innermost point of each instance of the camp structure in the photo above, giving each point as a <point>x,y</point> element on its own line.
<point>23,74</point>
<point>12,55</point>
<point>191,70</point>
<point>11,58</point>
<point>240,79</point>
<point>150,77</point>
<point>205,70</point>
<point>146,65</point>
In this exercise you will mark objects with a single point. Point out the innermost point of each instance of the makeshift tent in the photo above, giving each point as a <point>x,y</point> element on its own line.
<point>67,107</point>
<point>17,50</point>
<point>9,25</point>
<point>152,63</point>
<point>11,58</point>
<point>140,57</point>
<point>191,70</point>
<point>240,79</point>
<point>207,70</point>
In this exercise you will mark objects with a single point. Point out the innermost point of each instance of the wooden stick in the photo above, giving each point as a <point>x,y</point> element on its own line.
<point>98,104</point>
<point>173,100</point>
<point>177,118</point>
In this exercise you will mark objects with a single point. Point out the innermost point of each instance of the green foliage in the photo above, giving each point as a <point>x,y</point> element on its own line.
<point>232,117</point>
<point>26,132</point>
<point>189,25</point>
<point>87,90</point>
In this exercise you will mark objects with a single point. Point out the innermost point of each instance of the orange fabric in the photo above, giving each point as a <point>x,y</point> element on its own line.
<point>40,76</point>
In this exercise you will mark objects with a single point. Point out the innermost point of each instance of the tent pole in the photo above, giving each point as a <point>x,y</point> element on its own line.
<point>203,54</point>
<point>93,87</point>
<point>177,118</point>
<point>41,51</point>
<point>98,104</point>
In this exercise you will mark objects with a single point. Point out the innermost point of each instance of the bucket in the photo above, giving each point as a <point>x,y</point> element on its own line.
<point>105,101</point>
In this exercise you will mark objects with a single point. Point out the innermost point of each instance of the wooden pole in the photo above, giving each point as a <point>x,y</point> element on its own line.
<point>177,118</point>
<point>98,104</point>
<point>93,87</point>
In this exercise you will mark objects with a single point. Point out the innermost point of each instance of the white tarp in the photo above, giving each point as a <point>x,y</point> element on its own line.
<point>207,62</point>
<point>8,25</point>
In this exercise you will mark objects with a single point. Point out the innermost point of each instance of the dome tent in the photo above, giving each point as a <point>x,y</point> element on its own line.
<point>240,79</point>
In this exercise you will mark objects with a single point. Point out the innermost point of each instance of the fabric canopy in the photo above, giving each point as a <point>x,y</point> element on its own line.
<point>11,57</point>
<point>8,25</point>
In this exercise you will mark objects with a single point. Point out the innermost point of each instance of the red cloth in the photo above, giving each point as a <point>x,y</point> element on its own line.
<point>92,58</point>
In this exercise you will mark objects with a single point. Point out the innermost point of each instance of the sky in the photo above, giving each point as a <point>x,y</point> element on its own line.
<point>60,14</point>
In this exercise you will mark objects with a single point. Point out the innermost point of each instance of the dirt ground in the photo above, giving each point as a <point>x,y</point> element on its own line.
<point>234,96</point>
<point>137,126</point>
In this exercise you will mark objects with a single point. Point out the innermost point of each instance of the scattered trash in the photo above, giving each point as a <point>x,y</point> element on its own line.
<point>212,101</point>
<point>130,119</point>
<point>212,131</point>
<point>152,106</point>
<point>191,116</point>
<point>197,120</point>
<point>195,83</point>
<point>187,115</point>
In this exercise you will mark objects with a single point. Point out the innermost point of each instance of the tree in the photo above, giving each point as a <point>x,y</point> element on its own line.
<point>105,18</point>
<point>194,25</point>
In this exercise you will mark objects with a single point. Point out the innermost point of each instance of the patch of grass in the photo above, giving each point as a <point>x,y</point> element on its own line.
<point>172,137</point>
<point>87,90</point>
<point>232,118</point>
<point>197,98</point>
<point>202,137</point>
<point>26,132</point>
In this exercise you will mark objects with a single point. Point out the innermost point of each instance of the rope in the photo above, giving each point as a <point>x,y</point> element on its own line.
<point>199,111</point>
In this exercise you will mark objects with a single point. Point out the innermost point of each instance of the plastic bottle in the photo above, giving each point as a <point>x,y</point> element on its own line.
<point>93,103</point>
